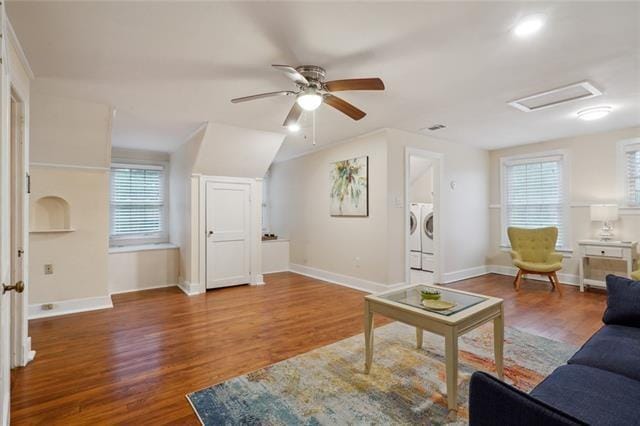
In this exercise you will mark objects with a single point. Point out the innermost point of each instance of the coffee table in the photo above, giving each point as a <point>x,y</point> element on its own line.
<point>470,311</point>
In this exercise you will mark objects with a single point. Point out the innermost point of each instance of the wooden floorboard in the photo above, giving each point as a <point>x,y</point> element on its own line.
<point>135,363</point>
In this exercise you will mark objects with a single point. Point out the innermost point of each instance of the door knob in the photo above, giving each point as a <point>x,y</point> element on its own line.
<point>17,287</point>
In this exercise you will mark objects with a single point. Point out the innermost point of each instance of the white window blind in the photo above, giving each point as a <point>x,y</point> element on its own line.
<point>632,175</point>
<point>137,202</point>
<point>534,195</point>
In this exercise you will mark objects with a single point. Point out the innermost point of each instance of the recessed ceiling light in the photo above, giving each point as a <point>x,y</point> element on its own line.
<point>293,128</point>
<point>529,25</point>
<point>594,113</point>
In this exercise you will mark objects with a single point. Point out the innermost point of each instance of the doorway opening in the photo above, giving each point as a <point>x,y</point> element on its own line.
<point>21,352</point>
<point>422,209</point>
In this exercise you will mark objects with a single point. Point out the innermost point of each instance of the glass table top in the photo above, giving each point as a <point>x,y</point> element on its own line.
<point>411,296</point>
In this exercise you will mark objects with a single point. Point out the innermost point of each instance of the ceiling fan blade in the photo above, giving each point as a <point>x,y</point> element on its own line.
<point>344,107</point>
<point>292,73</point>
<point>262,95</point>
<point>294,115</point>
<point>354,84</point>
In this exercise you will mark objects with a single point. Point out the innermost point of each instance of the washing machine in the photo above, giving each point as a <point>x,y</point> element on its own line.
<point>427,257</point>
<point>415,239</point>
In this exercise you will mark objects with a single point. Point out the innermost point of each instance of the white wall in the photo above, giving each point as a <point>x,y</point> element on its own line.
<point>463,212</point>
<point>420,180</point>
<point>299,192</point>
<point>184,197</point>
<point>140,270</point>
<point>235,151</point>
<point>69,131</point>
<point>593,171</point>
<point>72,139</point>
<point>130,269</point>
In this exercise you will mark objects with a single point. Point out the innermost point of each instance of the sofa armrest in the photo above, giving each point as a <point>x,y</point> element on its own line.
<point>493,402</point>
<point>555,257</point>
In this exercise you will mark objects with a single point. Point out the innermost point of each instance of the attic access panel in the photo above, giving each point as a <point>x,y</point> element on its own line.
<point>555,97</point>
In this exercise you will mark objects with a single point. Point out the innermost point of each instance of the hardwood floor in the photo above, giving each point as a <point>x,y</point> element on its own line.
<point>135,363</point>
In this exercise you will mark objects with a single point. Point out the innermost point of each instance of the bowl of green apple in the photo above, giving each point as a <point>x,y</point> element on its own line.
<point>429,294</point>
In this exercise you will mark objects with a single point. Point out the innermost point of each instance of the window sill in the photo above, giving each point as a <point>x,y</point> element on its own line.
<point>567,253</point>
<point>142,247</point>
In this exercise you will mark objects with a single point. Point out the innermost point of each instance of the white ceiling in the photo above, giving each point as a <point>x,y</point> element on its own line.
<point>168,67</point>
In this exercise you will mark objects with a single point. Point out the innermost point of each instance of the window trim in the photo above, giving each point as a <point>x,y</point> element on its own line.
<point>565,168</point>
<point>137,239</point>
<point>623,146</point>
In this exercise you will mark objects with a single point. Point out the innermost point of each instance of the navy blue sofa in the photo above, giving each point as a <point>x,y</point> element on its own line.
<point>600,385</point>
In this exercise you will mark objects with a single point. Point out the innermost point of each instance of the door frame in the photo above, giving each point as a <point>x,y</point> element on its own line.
<point>438,180</point>
<point>21,353</point>
<point>255,227</point>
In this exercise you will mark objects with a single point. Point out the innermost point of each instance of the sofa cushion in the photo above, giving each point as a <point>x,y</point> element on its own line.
<point>595,396</point>
<point>614,348</point>
<point>623,301</point>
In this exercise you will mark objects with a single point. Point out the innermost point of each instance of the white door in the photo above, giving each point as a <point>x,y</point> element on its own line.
<point>228,223</point>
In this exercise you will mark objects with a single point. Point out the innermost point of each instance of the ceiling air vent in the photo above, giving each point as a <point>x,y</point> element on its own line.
<point>434,127</point>
<point>555,97</point>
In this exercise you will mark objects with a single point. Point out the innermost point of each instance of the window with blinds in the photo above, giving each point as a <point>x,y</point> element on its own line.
<point>632,174</point>
<point>138,203</point>
<point>534,195</point>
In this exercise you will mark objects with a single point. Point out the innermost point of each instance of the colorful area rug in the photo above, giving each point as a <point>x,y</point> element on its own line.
<point>406,386</point>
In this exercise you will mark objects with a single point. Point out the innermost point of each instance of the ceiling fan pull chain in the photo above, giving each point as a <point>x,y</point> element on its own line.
<point>314,128</point>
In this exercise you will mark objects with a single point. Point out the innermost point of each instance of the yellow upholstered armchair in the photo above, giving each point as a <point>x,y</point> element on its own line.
<point>533,252</point>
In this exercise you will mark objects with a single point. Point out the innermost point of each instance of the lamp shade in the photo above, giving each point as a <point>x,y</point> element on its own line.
<point>604,212</point>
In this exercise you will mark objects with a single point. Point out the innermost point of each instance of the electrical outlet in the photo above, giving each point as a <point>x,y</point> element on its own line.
<point>48,269</point>
<point>47,306</point>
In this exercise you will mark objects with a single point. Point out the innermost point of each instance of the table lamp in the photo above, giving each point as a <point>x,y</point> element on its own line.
<point>605,213</point>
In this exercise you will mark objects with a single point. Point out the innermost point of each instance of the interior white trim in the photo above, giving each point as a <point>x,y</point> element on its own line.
<point>511,271</point>
<point>343,280</point>
<point>70,166</point>
<point>142,247</point>
<point>591,90</point>
<point>70,307</point>
<point>191,289</point>
<point>438,186</point>
<point>16,43</point>
<point>133,290</point>
<point>464,274</point>
<point>255,227</point>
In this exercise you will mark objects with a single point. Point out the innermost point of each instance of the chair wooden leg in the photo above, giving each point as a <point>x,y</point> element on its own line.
<point>557,283</point>
<point>516,282</point>
<point>553,283</point>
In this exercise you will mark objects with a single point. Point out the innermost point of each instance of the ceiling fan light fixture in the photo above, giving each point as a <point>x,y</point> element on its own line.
<point>309,100</point>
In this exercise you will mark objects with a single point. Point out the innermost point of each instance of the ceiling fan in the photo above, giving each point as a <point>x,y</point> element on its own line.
<point>313,90</point>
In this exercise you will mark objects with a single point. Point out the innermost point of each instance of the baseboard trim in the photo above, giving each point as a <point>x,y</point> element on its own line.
<point>569,279</point>
<point>343,280</point>
<point>143,289</point>
<point>464,274</point>
<point>258,280</point>
<point>191,289</point>
<point>72,306</point>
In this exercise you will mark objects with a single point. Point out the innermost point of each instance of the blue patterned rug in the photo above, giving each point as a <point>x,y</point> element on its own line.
<point>406,386</point>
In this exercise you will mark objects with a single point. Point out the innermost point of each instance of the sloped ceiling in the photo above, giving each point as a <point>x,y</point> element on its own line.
<point>168,67</point>
<point>234,151</point>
